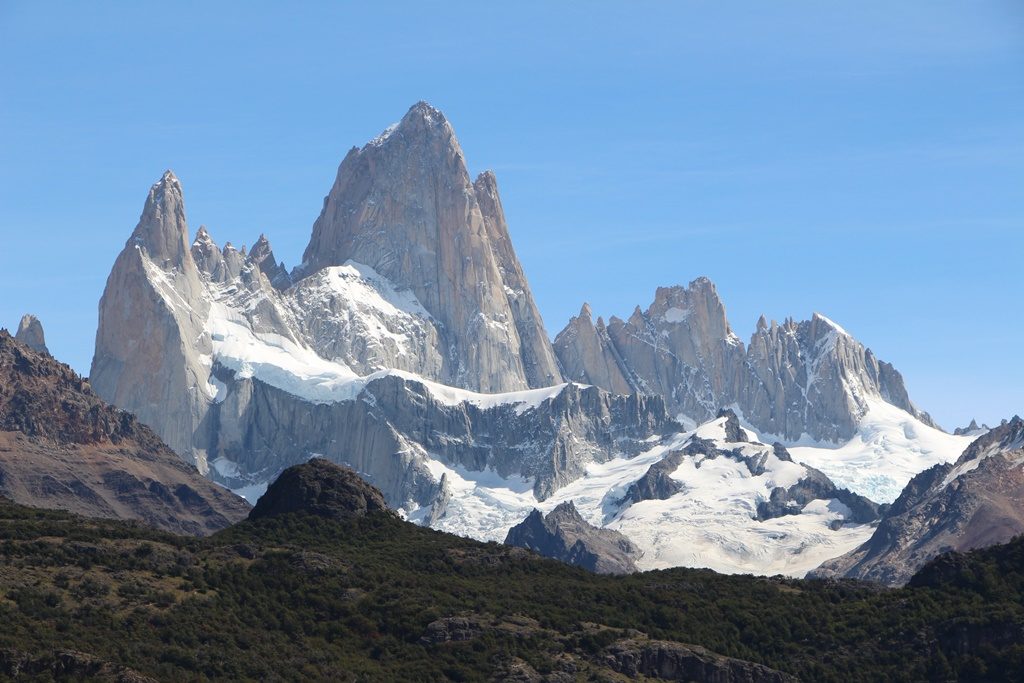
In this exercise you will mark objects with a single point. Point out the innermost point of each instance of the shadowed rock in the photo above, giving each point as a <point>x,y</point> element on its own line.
<point>320,487</point>
<point>564,535</point>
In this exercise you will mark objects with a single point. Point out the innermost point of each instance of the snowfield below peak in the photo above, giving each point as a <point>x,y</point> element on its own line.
<point>890,447</point>
<point>710,522</point>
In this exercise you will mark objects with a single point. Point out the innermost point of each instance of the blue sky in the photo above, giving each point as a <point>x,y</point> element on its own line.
<point>865,160</point>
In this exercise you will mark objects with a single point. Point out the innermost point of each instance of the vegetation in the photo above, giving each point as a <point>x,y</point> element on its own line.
<point>298,597</point>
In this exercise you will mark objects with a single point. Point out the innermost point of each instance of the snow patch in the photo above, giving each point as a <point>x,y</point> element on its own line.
<point>676,315</point>
<point>889,448</point>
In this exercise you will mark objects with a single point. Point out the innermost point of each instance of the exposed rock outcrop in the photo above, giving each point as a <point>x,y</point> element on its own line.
<point>65,665</point>
<point>975,502</point>
<point>263,257</point>
<point>62,447</point>
<point>152,350</point>
<point>588,355</point>
<point>405,206</point>
<point>395,422</point>
<point>815,485</point>
<point>793,379</point>
<point>804,483</point>
<point>972,429</point>
<point>682,348</point>
<point>30,333</point>
<point>564,535</point>
<point>321,488</point>
<point>813,378</point>
<point>671,661</point>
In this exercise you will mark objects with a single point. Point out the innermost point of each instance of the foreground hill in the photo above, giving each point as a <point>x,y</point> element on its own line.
<point>346,591</point>
<point>62,447</point>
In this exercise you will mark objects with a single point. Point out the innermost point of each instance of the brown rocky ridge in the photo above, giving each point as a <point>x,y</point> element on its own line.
<point>62,447</point>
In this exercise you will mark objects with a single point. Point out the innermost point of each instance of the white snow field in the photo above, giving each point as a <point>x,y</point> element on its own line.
<point>890,447</point>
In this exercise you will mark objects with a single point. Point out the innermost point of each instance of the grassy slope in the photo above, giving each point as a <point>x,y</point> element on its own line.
<point>296,596</point>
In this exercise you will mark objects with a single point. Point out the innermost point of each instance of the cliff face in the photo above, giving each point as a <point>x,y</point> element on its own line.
<point>397,427</point>
<point>152,352</point>
<point>405,206</point>
<point>62,447</point>
<point>795,379</point>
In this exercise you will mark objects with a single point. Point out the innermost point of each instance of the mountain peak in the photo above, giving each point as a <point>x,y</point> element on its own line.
<point>828,322</point>
<point>322,488</point>
<point>564,535</point>
<point>422,120</point>
<point>425,111</point>
<point>261,249</point>
<point>405,205</point>
<point>203,236</point>
<point>162,230</point>
<point>30,333</point>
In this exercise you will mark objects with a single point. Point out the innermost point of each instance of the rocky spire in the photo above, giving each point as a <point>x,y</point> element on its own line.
<point>162,230</point>
<point>262,256</point>
<point>404,205</point>
<point>809,377</point>
<point>30,333</point>
<point>682,348</point>
<point>150,341</point>
<point>588,355</point>
<point>207,255</point>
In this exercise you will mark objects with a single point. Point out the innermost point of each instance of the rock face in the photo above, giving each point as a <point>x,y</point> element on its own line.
<point>975,502</point>
<point>30,333</point>
<point>589,356</point>
<point>62,447</point>
<point>395,425</point>
<point>564,535</point>
<point>405,206</point>
<point>152,351</point>
<point>671,661</point>
<point>794,379</point>
<point>972,429</point>
<point>320,488</point>
<point>65,665</point>
<point>813,378</point>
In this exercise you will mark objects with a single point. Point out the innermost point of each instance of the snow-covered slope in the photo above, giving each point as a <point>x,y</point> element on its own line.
<point>712,521</point>
<point>889,448</point>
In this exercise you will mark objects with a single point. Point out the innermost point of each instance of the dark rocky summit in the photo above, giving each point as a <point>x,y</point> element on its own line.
<point>62,447</point>
<point>564,535</point>
<point>320,487</point>
<point>975,502</point>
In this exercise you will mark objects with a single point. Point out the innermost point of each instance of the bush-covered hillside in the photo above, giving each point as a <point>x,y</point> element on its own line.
<point>374,598</point>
